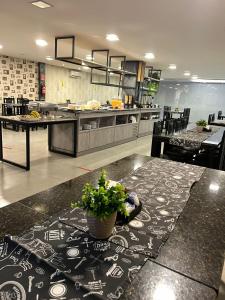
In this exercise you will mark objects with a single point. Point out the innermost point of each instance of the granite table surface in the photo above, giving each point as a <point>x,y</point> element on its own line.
<point>189,265</point>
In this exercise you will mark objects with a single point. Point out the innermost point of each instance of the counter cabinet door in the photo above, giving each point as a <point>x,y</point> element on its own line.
<point>101,137</point>
<point>125,132</point>
<point>84,141</point>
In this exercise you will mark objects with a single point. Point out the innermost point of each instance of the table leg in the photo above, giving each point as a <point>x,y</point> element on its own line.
<point>27,147</point>
<point>156,147</point>
<point>1,144</point>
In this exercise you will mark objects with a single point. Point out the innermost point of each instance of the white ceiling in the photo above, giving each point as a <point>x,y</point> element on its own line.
<point>190,34</point>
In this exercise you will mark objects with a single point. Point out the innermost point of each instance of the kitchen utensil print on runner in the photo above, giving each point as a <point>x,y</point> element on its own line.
<point>117,294</point>
<point>80,262</point>
<point>9,289</point>
<point>112,258</point>
<point>54,235</point>
<point>58,290</point>
<point>73,252</point>
<point>30,283</point>
<point>115,271</point>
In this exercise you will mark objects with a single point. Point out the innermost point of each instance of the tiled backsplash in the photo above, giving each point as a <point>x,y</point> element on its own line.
<point>18,78</point>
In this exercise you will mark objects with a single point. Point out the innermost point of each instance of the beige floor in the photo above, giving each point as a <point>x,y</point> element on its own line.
<point>48,169</point>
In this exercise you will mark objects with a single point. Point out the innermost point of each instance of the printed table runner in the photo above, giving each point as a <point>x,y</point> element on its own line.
<point>56,261</point>
<point>191,138</point>
<point>163,187</point>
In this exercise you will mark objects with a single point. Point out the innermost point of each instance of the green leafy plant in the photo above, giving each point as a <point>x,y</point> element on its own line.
<point>202,123</point>
<point>104,200</point>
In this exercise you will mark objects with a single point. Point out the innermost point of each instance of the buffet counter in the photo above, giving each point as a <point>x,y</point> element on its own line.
<point>100,129</point>
<point>75,133</point>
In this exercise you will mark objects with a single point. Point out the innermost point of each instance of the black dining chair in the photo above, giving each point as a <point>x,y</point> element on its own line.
<point>186,113</point>
<point>158,127</point>
<point>211,118</point>
<point>169,126</point>
<point>212,158</point>
<point>167,113</point>
<point>222,154</point>
<point>177,125</point>
<point>220,115</point>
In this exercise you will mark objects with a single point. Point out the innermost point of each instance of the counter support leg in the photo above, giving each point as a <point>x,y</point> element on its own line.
<point>1,143</point>
<point>27,147</point>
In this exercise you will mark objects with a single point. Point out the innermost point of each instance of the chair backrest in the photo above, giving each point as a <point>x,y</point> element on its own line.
<point>158,127</point>
<point>187,112</point>
<point>169,126</point>
<point>211,118</point>
<point>177,124</point>
<point>219,116</point>
<point>222,154</point>
<point>9,100</point>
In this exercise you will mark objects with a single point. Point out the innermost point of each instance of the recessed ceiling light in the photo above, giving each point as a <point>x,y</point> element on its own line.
<point>149,55</point>
<point>112,37</point>
<point>187,73</point>
<point>194,77</point>
<point>41,43</point>
<point>1,46</point>
<point>49,58</point>
<point>89,57</point>
<point>172,67</point>
<point>41,4</point>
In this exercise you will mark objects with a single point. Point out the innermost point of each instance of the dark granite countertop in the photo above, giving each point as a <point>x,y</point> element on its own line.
<point>191,260</point>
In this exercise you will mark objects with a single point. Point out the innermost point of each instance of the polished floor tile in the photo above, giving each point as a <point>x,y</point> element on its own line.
<point>49,169</point>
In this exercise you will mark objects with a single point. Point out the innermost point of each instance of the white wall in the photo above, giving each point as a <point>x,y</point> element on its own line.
<point>202,98</point>
<point>60,86</point>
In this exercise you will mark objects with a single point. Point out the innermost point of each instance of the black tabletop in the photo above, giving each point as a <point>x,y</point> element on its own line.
<point>190,263</point>
<point>16,120</point>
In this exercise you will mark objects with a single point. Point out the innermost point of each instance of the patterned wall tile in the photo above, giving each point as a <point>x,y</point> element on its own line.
<point>18,78</point>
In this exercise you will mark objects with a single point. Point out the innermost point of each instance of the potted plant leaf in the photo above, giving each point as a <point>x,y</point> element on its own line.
<point>102,204</point>
<point>200,125</point>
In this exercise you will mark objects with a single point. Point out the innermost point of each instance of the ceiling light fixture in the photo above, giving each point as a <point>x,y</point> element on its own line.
<point>187,73</point>
<point>41,43</point>
<point>172,67</point>
<point>1,46</point>
<point>41,4</point>
<point>149,55</point>
<point>194,77</point>
<point>49,58</point>
<point>112,37</point>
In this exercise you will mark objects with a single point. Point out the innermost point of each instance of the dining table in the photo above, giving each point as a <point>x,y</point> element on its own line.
<point>173,249</point>
<point>189,137</point>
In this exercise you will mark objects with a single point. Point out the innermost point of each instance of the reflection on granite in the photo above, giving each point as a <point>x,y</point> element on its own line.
<point>157,283</point>
<point>196,246</point>
<point>16,218</point>
<point>57,199</point>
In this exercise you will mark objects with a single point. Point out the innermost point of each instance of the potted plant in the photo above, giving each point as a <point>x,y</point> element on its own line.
<point>200,125</point>
<point>102,204</point>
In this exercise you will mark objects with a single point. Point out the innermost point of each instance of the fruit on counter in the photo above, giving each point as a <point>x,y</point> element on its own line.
<point>35,114</point>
